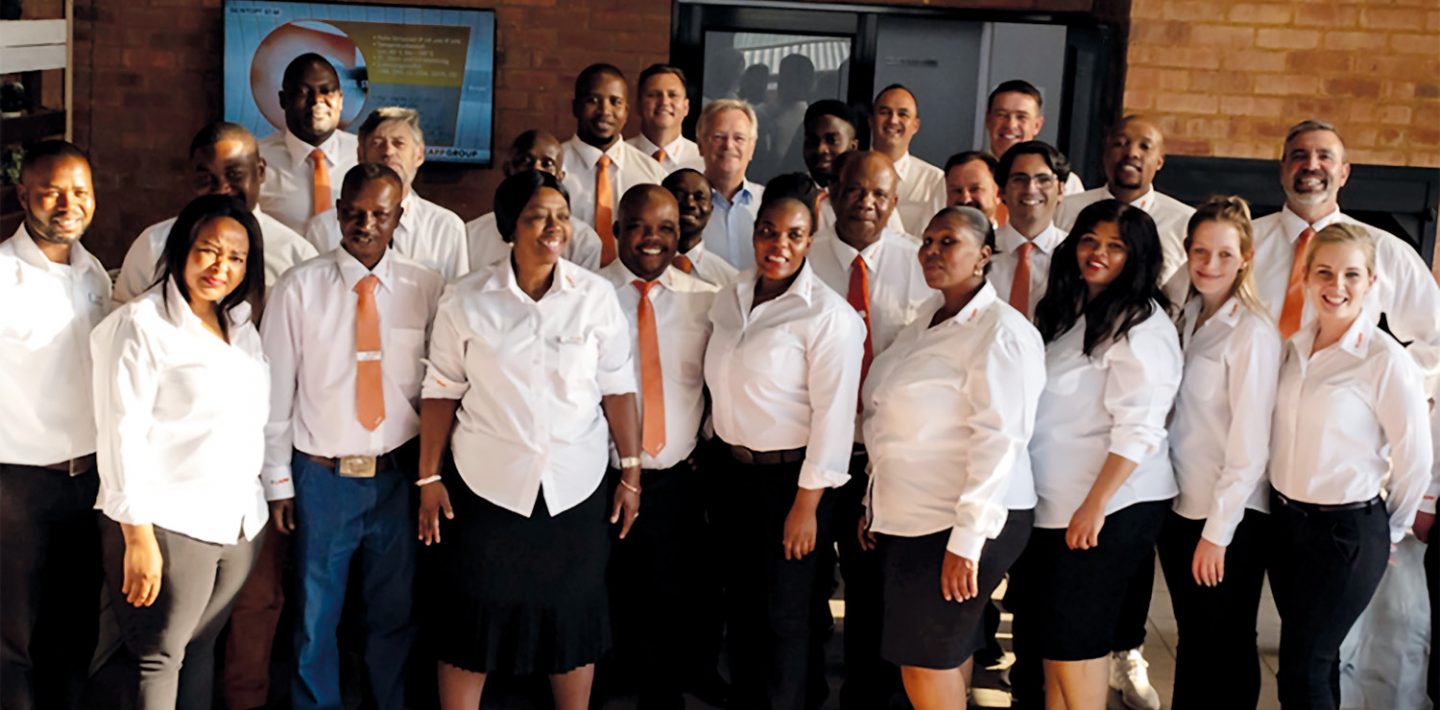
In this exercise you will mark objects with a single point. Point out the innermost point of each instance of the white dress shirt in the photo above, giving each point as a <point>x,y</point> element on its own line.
<point>949,411</point>
<point>47,311</point>
<point>628,167</point>
<point>680,153</point>
<point>826,223</point>
<point>1220,432</point>
<point>897,284</point>
<point>681,305</point>
<point>284,248</point>
<point>1113,402</point>
<point>1007,257</point>
<point>921,193</point>
<point>181,419</point>
<point>1172,220</point>
<point>530,376</point>
<point>1073,185</point>
<point>1340,411</point>
<point>711,268</point>
<point>309,337</point>
<point>428,234</point>
<point>731,229</point>
<point>487,248</point>
<point>786,374</point>
<point>286,193</point>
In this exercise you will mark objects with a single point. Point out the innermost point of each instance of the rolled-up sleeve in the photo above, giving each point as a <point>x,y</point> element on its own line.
<point>126,370</point>
<point>1142,376</point>
<point>615,370</point>
<point>1253,374</point>
<point>445,376</point>
<point>834,355</point>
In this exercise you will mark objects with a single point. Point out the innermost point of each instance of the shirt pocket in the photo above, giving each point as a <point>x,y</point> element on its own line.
<point>407,347</point>
<point>1204,379</point>
<point>577,359</point>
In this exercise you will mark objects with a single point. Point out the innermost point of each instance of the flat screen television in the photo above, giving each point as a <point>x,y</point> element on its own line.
<point>440,61</point>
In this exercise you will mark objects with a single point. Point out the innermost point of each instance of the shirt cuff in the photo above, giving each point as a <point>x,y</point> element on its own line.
<point>615,383</point>
<point>814,477</point>
<point>439,387</point>
<point>1218,532</point>
<point>965,544</point>
<point>1133,450</point>
<point>278,483</point>
<point>124,511</point>
<point>1427,504</point>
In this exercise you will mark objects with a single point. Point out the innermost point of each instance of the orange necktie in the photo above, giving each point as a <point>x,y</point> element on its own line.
<point>369,397</point>
<point>652,388</point>
<point>320,187</point>
<point>859,298</point>
<point>1295,288</point>
<point>659,156</point>
<point>1002,214</point>
<point>605,211</point>
<point>1020,289</point>
<point>683,263</point>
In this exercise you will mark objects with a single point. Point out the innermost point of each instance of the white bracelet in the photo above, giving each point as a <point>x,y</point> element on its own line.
<point>427,481</point>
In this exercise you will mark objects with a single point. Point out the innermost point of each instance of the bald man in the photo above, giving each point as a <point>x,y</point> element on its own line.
<point>311,152</point>
<point>224,160</point>
<point>654,567</point>
<point>877,270</point>
<point>894,122</point>
<point>1134,153</point>
<point>531,150</point>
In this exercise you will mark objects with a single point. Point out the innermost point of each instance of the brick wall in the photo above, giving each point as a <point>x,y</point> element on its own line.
<point>146,78</point>
<point>1227,77</point>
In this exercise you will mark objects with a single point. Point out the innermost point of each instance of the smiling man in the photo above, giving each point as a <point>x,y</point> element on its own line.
<point>1030,176</point>
<point>894,121</point>
<point>663,108</point>
<point>306,161</point>
<point>727,132</point>
<point>1014,115</point>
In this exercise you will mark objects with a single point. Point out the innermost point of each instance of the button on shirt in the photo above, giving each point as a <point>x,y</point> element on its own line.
<point>949,411</point>
<point>428,234</point>
<point>487,248</point>
<point>289,174</point>
<point>530,376</point>
<point>309,337</point>
<point>921,193</point>
<point>709,267</point>
<point>629,167</point>
<point>786,375</point>
<point>897,285</point>
<point>1007,255</point>
<point>680,153</point>
<point>682,307</point>
<point>730,232</point>
<point>181,418</point>
<point>1113,402</point>
<point>47,311</point>
<point>284,248</point>
<point>1172,219</point>
<point>1336,412</point>
<point>1220,432</point>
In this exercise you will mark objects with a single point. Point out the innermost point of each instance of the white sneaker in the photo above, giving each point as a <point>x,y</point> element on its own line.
<point>1129,677</point>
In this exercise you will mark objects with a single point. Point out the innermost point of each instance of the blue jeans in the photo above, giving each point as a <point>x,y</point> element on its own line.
<point>336,520</point>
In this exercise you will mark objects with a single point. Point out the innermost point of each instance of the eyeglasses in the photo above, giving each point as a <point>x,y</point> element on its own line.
<point>1043,181</point>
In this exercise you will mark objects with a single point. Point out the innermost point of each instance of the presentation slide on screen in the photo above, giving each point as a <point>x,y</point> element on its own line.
<point>439,61</point>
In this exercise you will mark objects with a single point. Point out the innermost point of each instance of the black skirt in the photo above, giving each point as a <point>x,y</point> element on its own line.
<point>921,629</point>
<point>517,595</point>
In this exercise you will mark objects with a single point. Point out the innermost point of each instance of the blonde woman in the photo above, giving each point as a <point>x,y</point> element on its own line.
<point>1211,548</point>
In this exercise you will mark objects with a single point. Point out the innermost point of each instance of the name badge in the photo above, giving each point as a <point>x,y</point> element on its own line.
<point>357,466</point>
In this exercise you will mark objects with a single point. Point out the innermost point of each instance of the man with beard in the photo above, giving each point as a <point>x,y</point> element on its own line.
<point>663,108</point>
<point>1012,116</point>
<point>894,121</point>
<point>970,182</point>
<point>427,233</point>
<point>693,193</point>
<point>1134,153</point>
<point>305,162</point>
<point>601,165</point>
<point>54,292</point>
<point>534,149</point>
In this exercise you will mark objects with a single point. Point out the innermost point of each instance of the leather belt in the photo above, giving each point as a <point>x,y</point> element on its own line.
<point>750,457</point>
<point>74,467</point>
<point>1317,508</point>
<point>383,463</point>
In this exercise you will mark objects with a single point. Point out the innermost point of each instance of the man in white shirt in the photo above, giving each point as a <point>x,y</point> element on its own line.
<point>340,456</point>
<point>1134,152</point>
<point>894,121</point>
<point>535,149</point>
<point>601,166</point>
<point>970,182</point>
<point>307,160</point>
<point>224,160</point>
<point>727,131</point>
<point>655,570</point>
<point>1013,115</point>
<point>54,292</point>
<point>663,108</point>
<point>427,233</point>
<point>830,135</point>
<point>694,194</point>
<point>1030,176</point>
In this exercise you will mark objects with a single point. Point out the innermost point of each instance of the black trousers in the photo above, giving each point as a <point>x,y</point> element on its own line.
<point>768,598</point>
<point>49,585</point>
<point>869,680</point>
<point>1216,624</point>
<point>1324,569</point>
<point>1432,580</point>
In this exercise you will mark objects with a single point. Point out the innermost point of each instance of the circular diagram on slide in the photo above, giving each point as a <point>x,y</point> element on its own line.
<point>293,39</point>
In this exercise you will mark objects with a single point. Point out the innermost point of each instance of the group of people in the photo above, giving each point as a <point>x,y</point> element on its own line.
<point>930,377</point>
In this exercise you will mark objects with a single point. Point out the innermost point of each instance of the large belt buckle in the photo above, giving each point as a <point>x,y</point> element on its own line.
<point>357,466</point>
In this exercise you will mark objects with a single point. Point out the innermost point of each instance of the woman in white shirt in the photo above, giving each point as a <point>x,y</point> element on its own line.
<point>1350,409</point>
<point>783,367</point>
<point>1212,546</point>
<point>1102,469</point>
<point>530,374</point>
<point>180,405</point>
<point>949,410</point>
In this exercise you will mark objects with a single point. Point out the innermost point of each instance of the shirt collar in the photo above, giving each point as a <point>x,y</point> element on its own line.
<point>845,254</point>
<point>621,275</point>
<point>978,303</point>
<point>410,208</point>
<point>1294,224</point>
<point>802,287</point>
<point>351,270</point>
<point>177,310</point>
<point>590,155</point>
<point>502,278</point>
<point>29,252</point>
<point>1228,315</point>
<point>743,197</point>
<point>902,166</point>
<point>1009,239</point>
<point>1145,202</point>
<point>1356,340</point>
<point>300,150</point>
